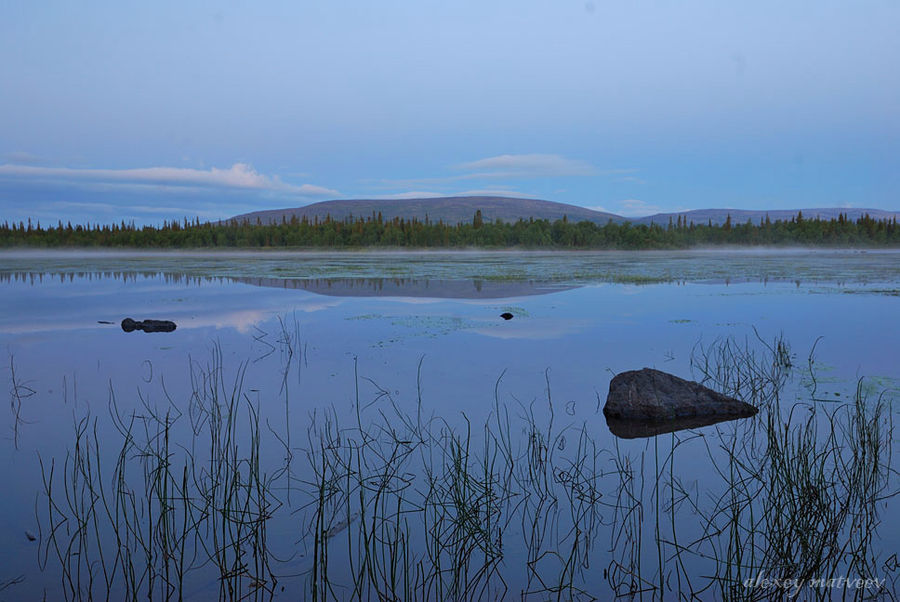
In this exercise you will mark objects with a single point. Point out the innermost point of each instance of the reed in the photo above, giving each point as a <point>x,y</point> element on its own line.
<point>204,498</point>
<point>19,390</point>
<point>165,516</point>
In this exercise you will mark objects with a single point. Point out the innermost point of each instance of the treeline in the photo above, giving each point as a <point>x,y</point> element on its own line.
<point>373,231</point>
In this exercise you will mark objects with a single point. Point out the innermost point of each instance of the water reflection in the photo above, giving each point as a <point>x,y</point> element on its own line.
<point>712,265</point>
<point>411,287</point>
<point>637,429</point>
<point>333,287</point>
<point>434,484</point>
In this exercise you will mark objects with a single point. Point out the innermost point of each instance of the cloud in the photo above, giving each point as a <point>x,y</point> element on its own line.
<point>142,211</point>
<point>533,329</point>
<point>630,180</point>
<point>101,207</point>
<point>21,157</point>
<point>534,165</point>
<point>209,212</point>
<point>312,190</point>
<point>630,208</point>
<point>415,194</point>
<point>494,192</point>
<point>64,210</point>
<point>636,208</point>
<point>529,165</point>
<point>239,176</point>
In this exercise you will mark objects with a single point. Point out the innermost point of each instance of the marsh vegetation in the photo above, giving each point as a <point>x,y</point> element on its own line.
<point>211,496</point>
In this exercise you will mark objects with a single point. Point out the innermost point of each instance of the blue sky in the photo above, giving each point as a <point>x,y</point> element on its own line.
<point>149,111</point>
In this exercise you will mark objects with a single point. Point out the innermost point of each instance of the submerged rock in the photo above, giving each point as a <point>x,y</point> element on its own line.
<point>653,395</point>
<point>129,325</point>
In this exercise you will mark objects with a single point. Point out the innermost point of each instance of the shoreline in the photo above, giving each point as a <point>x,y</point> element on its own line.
<point>224,252</point>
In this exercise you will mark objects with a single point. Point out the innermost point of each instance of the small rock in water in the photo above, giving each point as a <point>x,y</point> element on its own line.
<point>506,315</point>
<point>158,326</point>
<point>129,325</point>
<point>30,536</point>
<point>104,322</point>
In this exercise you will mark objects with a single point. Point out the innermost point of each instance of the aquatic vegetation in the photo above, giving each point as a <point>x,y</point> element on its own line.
<point>398,503</point>
<point>8,583</point>
<point>890,292</point>
<point>163,511</point>
<point>801,501</point>
<point>19,390</point>
<point>840,270</point>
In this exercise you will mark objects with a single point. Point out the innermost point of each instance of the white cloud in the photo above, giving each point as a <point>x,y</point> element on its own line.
<point>528,165</point>
<point>191,211</point>
<point>310,190</point>
<point>493,192</point>
<point>51,211</point>
<point>239,176</point>
<point>101,207</point>
<point>21,157</point>
<point>532,329</point>
<point>637,208</point>
<point>511,167</point>
<point>630,180</point>
<point>630,208</point>
<point>415,194</point>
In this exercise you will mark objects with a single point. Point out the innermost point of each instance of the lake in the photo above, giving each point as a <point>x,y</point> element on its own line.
<point>365,425</point>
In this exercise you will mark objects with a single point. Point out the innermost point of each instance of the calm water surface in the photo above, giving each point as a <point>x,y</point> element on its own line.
<point>390,433</point>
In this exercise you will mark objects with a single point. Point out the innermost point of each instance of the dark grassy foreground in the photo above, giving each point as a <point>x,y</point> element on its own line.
<point>206,499</point>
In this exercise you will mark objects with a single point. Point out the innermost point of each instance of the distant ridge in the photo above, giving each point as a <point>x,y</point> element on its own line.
<point>450,210</point>
<point>740,216</point>
<point>453,210</point>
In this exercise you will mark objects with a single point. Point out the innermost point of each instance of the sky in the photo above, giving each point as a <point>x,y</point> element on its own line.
<point>160,110</point>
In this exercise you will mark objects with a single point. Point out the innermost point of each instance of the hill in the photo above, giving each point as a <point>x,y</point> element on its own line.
<point>740,216</point>
<point>454,210</point>
<point>450,210</point>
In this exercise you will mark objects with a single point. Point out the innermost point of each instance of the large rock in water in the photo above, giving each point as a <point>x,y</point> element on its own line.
<point>658,396</point>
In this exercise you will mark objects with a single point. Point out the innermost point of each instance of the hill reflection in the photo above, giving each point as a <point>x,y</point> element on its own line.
<point>411,287</point>
<point>468,288</point>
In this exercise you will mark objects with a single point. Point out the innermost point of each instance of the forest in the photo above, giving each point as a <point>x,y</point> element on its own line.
<point>374,231</point>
